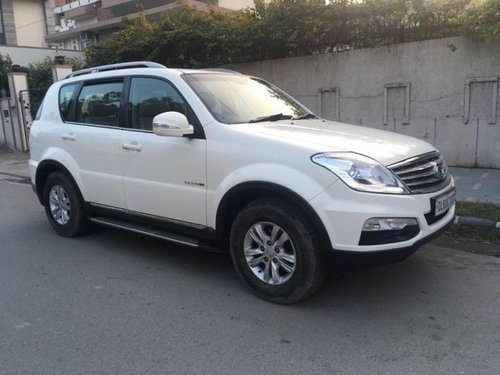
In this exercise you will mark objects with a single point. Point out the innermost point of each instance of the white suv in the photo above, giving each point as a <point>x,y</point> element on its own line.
<point>217,159</point>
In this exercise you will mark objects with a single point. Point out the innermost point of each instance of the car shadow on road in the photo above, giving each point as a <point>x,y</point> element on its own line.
<point>381,286</point>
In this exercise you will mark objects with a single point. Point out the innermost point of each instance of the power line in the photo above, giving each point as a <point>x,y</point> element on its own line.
<point>31,23</point>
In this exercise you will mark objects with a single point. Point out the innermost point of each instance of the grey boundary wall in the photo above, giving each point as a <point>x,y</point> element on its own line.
<point>444,91</point>
<point>27,55</point>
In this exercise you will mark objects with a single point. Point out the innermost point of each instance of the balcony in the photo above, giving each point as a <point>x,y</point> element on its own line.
<point>110,18</point>
<point>73,5</point>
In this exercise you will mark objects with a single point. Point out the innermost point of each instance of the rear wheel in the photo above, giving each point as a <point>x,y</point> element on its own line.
<point>64,206</point>
<point>276,251</point>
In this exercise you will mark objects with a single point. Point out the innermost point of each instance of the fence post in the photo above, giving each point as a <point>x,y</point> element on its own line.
<point>61,71</point>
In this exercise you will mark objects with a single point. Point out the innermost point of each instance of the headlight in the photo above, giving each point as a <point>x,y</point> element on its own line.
<point>360,172</point>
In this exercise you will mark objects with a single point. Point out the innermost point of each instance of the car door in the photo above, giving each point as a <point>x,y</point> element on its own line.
<point>90,135</point>
<point>162,176</point>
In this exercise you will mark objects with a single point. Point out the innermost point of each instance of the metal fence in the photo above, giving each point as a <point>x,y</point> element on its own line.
<point>385,33</point>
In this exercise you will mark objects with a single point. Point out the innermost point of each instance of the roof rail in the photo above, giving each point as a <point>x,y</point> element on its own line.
<point>222,70</point>
<point>107,68</point>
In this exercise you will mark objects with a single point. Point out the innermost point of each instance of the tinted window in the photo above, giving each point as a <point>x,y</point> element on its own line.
<point>150,97</point>
<point>99,104</point>
<point>65,96</point>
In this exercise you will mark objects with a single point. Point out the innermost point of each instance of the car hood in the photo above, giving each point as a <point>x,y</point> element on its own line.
<point>330,136</point>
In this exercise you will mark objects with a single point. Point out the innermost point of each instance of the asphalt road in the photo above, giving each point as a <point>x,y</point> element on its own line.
<point>118,303</point>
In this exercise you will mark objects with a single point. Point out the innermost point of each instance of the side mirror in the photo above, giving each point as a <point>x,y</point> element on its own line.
<point>171,124</point>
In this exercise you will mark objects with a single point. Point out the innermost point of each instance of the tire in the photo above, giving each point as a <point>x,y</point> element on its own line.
<point>296,268</point>
<point>64,209</point>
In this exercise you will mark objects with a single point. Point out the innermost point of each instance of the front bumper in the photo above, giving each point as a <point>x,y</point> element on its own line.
<point>343,212</point>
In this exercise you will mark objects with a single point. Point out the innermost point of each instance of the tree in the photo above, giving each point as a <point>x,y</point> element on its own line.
<point>283,28</point>
<point>480,20</point>
<point>5,67</point>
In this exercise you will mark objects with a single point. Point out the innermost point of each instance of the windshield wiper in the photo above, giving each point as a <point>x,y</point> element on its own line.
<point>306,116</point>
<point>276,117</point>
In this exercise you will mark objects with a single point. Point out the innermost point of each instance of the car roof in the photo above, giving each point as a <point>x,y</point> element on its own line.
<point>134,68</point>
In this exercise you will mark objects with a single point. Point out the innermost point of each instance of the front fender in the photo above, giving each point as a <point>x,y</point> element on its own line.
<point>287,177</point>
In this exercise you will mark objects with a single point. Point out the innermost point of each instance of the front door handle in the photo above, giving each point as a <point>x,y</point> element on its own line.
<point>133,146</point>
<point>68,136</point>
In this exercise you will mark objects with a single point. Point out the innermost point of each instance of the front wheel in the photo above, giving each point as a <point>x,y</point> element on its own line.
<point>276,251</point>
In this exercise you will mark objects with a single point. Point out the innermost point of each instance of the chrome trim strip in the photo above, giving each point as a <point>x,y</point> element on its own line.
<point>405,169</point>
<point>413,159</point>
<point>159,218</point>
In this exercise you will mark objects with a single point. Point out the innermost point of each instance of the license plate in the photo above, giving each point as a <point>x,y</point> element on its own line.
<point>443,202</point>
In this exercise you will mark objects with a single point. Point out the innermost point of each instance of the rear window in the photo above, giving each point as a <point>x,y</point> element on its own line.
<point>39,112</point>
<point>99,104</point>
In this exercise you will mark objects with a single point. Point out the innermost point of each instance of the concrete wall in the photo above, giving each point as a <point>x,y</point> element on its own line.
<point>25,55</point>
<point>235,4</point>
<point>423,89</point>
<point>30,23</point>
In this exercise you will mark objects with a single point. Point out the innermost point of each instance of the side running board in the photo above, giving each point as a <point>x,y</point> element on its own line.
<point>148,231</point>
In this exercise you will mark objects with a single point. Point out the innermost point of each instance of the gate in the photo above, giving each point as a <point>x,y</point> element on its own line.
<point>30,101</point>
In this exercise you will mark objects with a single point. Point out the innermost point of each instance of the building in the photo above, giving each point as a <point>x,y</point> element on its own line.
<point>25,22</point>
<point>80,22</point>
<point>24,26</point>
<point>235,4</point>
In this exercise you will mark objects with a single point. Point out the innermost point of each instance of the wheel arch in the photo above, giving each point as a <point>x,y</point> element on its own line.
<point>44,169</point>
<point>244,193</point>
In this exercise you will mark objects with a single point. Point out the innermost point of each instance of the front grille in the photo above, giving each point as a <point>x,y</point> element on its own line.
<point>423,174</point>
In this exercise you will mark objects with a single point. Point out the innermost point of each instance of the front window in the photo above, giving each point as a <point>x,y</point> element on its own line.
<point>234,99</point>
<point>150,97</point>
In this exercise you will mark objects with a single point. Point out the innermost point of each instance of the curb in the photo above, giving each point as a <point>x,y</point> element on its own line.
<point>478,222</point>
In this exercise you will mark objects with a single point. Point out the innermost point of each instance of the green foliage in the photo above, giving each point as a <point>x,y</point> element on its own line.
<point>481,20</point>
<point>40,73</point>
<point>5,67</point>
<point>283,28</point>
<point>40,78</point>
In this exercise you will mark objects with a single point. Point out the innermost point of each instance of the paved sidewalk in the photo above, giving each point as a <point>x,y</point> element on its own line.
<point>477,184</point>
<point>14,166</point>
<point>473,184</point>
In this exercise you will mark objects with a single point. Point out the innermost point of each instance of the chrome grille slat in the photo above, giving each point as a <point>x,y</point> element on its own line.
<point>412,176</point>
<point>424,181</point>
<point>424,173</point>
<point>418,169</point>
<point>415,161</point>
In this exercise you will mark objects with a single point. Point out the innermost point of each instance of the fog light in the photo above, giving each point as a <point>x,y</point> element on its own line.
<point>387,223</point>
<point>384,230</point>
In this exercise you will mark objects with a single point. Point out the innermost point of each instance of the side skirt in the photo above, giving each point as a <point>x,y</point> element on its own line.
<point>186,234</point>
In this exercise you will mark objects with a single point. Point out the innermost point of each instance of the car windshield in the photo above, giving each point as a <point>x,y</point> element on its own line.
<point>236,99</point>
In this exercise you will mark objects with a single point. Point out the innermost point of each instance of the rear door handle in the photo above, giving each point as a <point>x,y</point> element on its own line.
<point>134,146</point>
<point>68,136</point>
